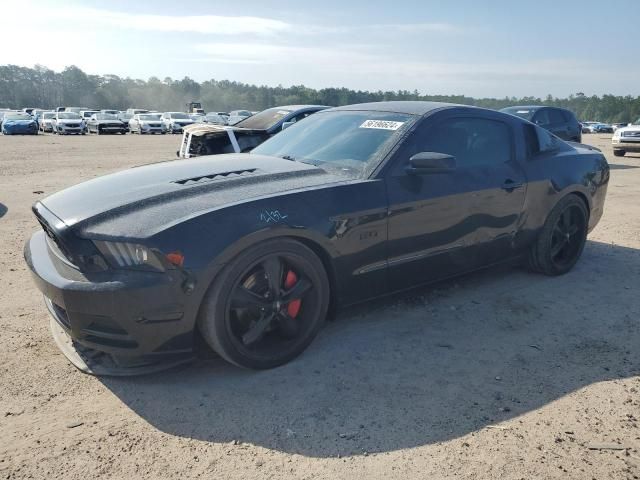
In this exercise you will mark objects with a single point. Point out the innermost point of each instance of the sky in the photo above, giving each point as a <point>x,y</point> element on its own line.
<point>481,48</point>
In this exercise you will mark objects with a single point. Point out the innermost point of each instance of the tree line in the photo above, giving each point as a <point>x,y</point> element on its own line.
<point>44,88</point>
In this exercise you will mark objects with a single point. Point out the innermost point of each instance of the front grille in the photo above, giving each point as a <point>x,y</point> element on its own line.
<point>215,176</point>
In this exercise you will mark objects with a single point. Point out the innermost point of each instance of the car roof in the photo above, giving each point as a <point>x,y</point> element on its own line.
<point>296,107</point>
<point>407,107</point>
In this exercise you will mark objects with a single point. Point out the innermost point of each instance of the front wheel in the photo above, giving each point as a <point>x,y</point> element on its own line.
<point>562,239</point>
<point>619,153</point>
<point>267,305</point>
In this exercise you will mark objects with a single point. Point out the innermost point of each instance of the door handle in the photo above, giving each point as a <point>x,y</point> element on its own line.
<point>509,185</point>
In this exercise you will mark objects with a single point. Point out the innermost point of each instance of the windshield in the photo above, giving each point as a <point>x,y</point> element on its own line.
<point>48,115</point>
<point>344,139</point>
<point>180,116</point>
<point>88,114</point>
<point>17,116</point>
<point>105,116</point>
<point>526,113</point>
<point>264,120</point>
<point>150,117</point>
<point>68,115</point>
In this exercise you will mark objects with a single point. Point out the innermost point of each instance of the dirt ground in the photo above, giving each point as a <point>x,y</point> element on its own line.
<point>501,374</point>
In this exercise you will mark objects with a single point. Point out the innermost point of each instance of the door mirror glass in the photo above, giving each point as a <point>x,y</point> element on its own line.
<point>425,163</point>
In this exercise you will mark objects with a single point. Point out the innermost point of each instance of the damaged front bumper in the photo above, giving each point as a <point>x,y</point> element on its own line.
<point>126,323</point>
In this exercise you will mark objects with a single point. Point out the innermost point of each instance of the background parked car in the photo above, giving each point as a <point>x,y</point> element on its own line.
<point>236,116</point>
<point>626,139</point>
<point>75,109</point>
<point>135,111</point>
<point>616,126</point>
<point>175,121</point>
<point>215,119</point>
<point>44,123</point>
<point>203,139</point>
<point>559,121</point>
<point>196,117</point>
<point>124,117</point>
<point>110,112</point>
<point>101,123</point>
<point>586,126</point>
<point>68,123</point>
<point>601,128</point>
<point>19,123</point>
<point>147,123</point>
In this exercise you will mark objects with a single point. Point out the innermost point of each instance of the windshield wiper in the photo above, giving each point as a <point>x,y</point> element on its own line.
<point>288,157</point>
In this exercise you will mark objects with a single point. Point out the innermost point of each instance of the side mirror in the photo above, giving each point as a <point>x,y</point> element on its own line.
<point>425,163</point>
<point>286,125</point>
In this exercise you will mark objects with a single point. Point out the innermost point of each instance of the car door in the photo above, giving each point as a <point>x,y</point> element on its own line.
<point>442,224</point>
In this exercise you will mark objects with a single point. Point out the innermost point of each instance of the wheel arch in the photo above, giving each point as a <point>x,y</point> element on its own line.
<point>316,243</point>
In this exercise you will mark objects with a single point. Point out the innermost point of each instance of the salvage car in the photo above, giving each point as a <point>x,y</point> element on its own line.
<point>174,122</point>
<point>626,139</point>
<point>601,128</point>
<point>147,123</point>
<point>215,119</point>
<point>68,123</point>
<point>210,139</point>
<point>19,123</point>
<point>101,123</point>
<point>559,121</point>
<point>254,249</point>
<point>45,121</point>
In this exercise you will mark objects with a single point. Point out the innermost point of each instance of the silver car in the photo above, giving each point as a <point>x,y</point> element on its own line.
<point>147,123</point>
<point>68,123</point>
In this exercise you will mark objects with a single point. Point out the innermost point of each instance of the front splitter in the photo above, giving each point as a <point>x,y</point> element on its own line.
<point>94,362</point>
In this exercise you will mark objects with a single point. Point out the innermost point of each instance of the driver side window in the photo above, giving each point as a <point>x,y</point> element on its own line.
<point>472,141</point>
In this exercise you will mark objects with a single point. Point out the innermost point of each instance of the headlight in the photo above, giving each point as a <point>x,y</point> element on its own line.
<point>129,255</point>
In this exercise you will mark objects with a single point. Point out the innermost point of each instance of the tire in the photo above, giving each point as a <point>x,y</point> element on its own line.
<point>619,153</point>
<point>561,241</point>
<point>231,330</point>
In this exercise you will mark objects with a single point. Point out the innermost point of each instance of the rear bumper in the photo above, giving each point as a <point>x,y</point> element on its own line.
<point>137,317</point>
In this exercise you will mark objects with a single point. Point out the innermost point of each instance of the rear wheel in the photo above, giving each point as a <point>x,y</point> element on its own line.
<point>267,305</point>
<point>562,239</point>
<point>619,153</point>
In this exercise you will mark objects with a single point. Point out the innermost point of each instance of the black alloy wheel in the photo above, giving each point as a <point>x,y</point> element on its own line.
<point>562,238</point>
<point>267,305</point>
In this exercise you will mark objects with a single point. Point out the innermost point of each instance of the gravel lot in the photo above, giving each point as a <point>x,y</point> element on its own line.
<point>501,374</point>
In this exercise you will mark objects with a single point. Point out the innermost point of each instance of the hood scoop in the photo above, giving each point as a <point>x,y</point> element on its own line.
<point>216,176</point>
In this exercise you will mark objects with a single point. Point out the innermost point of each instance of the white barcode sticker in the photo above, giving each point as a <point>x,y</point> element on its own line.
<point>382,124</point>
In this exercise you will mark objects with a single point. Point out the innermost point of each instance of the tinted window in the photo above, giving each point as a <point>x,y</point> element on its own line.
<point>531,139</point>
<point>542,117</point>
<point>548,142</point>
<point>556,117</point>
<point>522,112</point>
<point>473,141</point>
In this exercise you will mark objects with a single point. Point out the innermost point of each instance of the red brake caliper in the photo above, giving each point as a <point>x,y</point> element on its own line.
<point>294,305</point>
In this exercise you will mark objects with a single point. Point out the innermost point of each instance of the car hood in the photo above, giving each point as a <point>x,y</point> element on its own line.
<point>18,122</point>
<point>133,198</point>
<point>69,120</point>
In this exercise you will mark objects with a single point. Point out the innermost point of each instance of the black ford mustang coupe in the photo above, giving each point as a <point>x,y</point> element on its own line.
<point>349,204</point>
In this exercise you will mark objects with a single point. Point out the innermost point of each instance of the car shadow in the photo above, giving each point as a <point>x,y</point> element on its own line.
<point>3,209</point>
<point>418,368</point>
<point>620,166</point>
